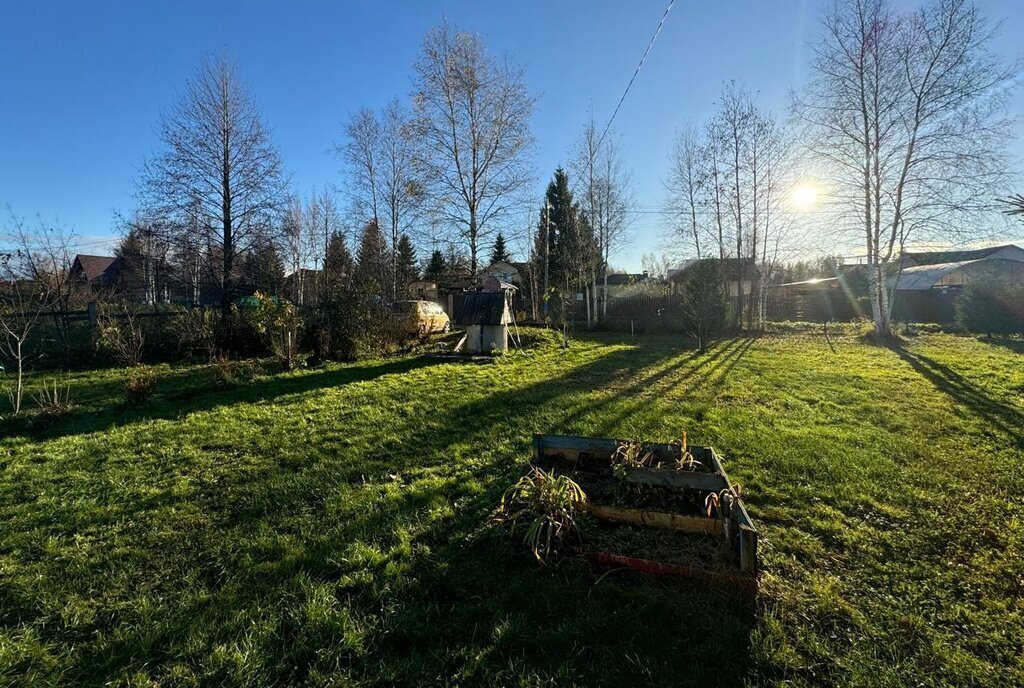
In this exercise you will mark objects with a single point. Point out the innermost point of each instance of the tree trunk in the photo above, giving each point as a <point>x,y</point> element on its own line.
<point>226,288</point>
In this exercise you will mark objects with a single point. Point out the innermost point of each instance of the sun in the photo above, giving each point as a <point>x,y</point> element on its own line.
<point>804,195</point>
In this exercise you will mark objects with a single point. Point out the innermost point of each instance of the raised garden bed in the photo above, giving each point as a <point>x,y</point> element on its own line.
<point>654,517</point>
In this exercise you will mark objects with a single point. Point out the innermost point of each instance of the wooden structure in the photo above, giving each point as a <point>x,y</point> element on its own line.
<point>486,316</point>
<point>732,522</point>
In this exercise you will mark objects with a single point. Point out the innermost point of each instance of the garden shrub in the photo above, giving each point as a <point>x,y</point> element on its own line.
<point>120,337</point>
<point>194,332</point>
<point>230,373</point>
<point>278,322</point>
<point>990,306</point>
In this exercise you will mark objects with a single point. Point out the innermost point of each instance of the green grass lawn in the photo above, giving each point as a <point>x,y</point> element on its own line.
<point>329,526</point>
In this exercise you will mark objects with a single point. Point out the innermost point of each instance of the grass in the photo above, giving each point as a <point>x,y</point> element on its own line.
<point>328,526</point>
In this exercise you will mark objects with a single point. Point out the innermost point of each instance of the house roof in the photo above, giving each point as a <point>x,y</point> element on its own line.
<point>920,277</point>
<point>1008,251</point>
<point>730,267</point>
<point>622,278</point>
<point>501,266</point>
<point>93,267</point>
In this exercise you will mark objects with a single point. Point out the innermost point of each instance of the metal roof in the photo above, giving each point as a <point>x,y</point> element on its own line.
<point>925,276</point>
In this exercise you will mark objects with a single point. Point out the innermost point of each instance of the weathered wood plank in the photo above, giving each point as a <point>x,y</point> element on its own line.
<point>600,448</point>
<point>657,519</point>
<point>709,482</point>
<point>748,549</point>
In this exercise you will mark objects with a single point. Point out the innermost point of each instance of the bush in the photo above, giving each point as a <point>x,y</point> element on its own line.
<point>705,303</point>
<point>278,322</point>
<point>538,338</point>
<point>990,306</point>
<point>194,332</point>
<point>120,337</point>
<point>350,326</point>
<point>138,386</point>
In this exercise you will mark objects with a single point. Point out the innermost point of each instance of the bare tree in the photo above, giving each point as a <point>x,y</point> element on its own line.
<point>906,110</point>
<point>472,118</point>
<point>360,152</point>
<point>384,177</point>
<point>686,186</point>
<point>606,198</point>
<point>27,292</point>
<point>219,173</point>
<point>321,221</point>
<point>732,130</point>
<point>295,236</point>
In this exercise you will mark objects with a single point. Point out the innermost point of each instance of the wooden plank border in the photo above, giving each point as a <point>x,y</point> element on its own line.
<point>658,519</point>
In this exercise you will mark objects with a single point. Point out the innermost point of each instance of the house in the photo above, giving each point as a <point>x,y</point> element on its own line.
<point>954,269</point>
<point>737,273</point>
<point>423,290</point>
<point>100,272</point>
<point>299,284</point>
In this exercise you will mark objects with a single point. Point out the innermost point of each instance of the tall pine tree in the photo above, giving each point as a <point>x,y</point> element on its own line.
<point>263,269</point>
<point>566,232</point>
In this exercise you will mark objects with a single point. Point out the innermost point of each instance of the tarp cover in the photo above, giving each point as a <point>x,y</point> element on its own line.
<point>483,308</point>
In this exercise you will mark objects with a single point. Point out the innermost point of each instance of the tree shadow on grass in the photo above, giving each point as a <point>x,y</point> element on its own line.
<point>482,610</point>
<point>976,399</point>
<point>709,368</point>
<point>467,605</point>
<point>1014,344</point>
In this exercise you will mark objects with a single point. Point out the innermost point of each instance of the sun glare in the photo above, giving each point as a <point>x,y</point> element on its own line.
<point>804,195</point>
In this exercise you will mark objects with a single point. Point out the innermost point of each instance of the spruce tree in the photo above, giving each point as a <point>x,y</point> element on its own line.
<point>408,269</point>
<point>337,266</point>
<point>372,272</point>
<point>264,269</point>
<point>561,224</point>
<point>131,252</point>
<point>500,253</point>
<point>436,267</point>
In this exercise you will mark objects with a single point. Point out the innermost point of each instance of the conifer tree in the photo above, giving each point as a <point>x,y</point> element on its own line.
<point>407,266</point>
<point>436,266</point>
<point>372,274</point>
<point>337,266</point>
<point>500,252</point>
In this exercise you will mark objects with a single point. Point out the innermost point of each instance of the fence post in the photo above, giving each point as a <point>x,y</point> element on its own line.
<point>90,309</point>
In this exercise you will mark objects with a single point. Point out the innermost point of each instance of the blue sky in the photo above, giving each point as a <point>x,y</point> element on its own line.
<point>82,84</point>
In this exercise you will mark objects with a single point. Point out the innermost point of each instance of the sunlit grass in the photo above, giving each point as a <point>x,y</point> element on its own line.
<point>329,526</point>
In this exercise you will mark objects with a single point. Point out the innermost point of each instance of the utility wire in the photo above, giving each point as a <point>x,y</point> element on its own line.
<point>635,72</point>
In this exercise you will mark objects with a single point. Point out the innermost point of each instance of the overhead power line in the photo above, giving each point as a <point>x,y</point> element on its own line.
<point>636,71</point>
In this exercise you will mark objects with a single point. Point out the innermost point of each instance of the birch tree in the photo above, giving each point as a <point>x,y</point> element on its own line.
<point>384,178</point>
<point>33,279</point>
<point>687,186</point>
<point>907,112</point>
<point>606,199</point>
<point>472,118</point>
